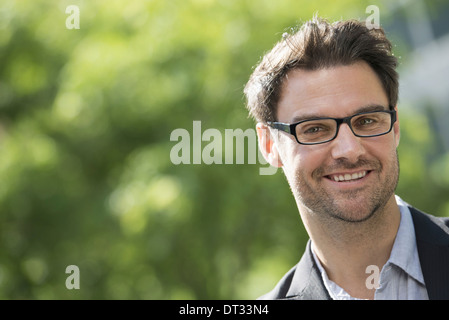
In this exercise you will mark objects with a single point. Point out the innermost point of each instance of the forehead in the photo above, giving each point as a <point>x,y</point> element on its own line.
<point>334,92</point>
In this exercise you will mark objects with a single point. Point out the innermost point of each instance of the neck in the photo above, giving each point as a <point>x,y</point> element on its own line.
<point>346,249</point>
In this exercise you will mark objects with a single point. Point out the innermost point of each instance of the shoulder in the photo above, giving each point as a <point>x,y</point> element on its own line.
<point>432,240</point>
<point>430,228</point>
<point>302,282</point>
<point>281,288</point>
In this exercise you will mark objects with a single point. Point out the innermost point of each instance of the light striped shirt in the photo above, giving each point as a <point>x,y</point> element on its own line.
<point>401,277</point>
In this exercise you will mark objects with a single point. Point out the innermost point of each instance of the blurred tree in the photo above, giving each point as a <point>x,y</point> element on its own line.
<point>85,122</point>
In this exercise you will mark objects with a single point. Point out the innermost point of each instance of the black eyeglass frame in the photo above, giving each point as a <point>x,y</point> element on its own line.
<point>291,128</point>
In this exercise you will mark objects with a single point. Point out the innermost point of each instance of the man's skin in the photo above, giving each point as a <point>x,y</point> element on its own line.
<point>352,224</point>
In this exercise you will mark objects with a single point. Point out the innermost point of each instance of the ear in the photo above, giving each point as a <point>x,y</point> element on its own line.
<point>268,146</point>
<point>396,127</point>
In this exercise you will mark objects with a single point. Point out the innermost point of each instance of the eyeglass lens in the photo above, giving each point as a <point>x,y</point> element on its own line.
<point>363,125</point>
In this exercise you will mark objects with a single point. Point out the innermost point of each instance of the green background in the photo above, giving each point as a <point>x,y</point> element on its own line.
<point>85,172</point>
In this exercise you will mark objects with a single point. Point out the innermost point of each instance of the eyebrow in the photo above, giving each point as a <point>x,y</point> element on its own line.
<point>367,108</point>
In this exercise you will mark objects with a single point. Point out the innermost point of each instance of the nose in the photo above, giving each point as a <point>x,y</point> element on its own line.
<point>346,145</point>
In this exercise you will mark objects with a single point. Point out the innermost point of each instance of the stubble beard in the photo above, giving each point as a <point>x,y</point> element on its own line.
<point>347,207</point>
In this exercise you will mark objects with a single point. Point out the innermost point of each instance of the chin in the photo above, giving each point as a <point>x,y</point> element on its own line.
<point>354,210</point>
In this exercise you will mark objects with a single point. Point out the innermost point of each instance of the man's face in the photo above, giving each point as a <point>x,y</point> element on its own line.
<point>369,166</point>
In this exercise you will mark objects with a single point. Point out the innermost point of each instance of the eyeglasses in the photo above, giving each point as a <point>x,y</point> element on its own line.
<point>321,130</point>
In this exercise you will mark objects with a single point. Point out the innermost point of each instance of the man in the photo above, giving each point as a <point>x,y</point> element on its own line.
<point>325,99</point>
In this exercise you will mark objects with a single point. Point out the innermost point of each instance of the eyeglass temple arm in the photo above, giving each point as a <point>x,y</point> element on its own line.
<point>280,126</point>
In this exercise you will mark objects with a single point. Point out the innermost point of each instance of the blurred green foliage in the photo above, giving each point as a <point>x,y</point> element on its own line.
<point>86,178</point>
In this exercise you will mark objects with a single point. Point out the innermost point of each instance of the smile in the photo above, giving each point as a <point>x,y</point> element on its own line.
<point>345,177</point>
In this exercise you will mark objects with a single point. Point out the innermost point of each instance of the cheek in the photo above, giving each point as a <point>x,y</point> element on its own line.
<point>385,150</point>
<point>303,161</point>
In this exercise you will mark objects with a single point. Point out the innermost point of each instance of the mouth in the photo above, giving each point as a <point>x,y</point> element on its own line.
<point>348,176</point>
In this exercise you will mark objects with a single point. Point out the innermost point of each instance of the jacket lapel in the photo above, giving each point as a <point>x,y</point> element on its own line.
<point>307,283</point>
<point>432,240</point>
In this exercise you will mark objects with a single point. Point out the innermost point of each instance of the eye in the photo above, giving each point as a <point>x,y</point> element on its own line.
<point>366,121</point>
<point>314,130</point>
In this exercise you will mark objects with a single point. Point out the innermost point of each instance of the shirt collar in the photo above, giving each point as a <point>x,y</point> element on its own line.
<point>405,253</point>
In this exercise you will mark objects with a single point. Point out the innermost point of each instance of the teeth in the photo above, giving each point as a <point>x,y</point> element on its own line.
<point>348,177</point>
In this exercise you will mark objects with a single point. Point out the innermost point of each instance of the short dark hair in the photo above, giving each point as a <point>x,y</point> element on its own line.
<point>319,44</point>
